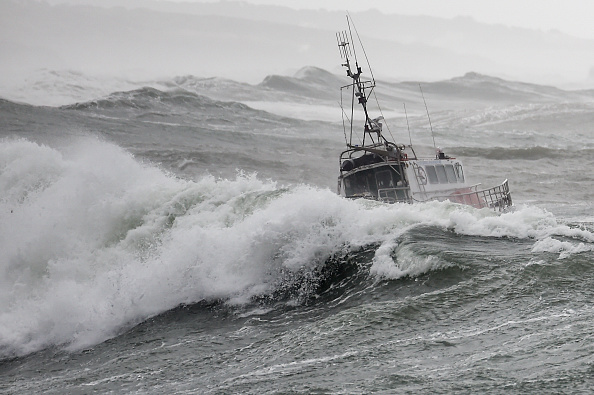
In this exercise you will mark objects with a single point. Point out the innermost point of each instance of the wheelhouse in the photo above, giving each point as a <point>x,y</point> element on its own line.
<point>373,176</point>
<point>375,167</point>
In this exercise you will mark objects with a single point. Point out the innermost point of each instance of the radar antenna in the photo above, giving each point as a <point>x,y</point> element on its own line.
<point>361,89</point>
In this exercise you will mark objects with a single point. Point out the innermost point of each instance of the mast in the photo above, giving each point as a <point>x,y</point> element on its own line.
<point>362,89</point>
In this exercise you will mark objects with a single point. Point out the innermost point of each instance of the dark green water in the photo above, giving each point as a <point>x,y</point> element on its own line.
<point>136,257</point>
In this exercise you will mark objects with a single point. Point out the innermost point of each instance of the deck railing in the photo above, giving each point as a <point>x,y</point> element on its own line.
<point>394,195</point>
<point>496,198</point>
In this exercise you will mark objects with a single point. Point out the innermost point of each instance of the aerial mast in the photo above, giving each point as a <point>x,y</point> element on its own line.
<point>372,126</point>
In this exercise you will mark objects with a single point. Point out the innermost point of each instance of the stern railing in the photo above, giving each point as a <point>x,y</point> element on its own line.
<point>496,198</point>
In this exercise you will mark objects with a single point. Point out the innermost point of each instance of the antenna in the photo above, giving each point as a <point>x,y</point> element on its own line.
<point>343,45</point>
<point>351,34</point>
<point>349,17</point>
<point>407,125</point>
<point>361,89</point>
<point>428,117</point>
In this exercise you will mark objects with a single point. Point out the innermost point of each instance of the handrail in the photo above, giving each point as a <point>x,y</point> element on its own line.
<point>496,198</point>
<point>383,194</point>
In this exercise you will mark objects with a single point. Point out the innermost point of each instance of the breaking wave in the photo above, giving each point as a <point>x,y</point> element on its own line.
<point>151,98</point>
<point>93,241</point>
<point>528,153</point>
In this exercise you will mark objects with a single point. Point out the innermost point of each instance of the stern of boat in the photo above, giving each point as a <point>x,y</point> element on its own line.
<point>497,198</point>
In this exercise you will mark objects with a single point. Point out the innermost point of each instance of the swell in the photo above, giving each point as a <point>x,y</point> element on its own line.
<point>95,242</point>
<point>151,98</point>
<point>528,153</point>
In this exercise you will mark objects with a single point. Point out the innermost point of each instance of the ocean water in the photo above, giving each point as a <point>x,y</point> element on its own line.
<point>184,236</point>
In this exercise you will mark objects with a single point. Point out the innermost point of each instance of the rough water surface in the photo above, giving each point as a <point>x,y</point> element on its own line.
<point>185,237</point>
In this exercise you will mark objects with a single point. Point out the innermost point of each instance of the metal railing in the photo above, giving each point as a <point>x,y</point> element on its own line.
<point>393,195</point>
<point>496,198</point>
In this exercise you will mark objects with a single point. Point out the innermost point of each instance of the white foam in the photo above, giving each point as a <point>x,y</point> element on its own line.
<point>392,263</point>
<point>92,241</point>
<point>564,248</point>
<point>318,111</point>
<point>308,112</point>
<point>56,88</point>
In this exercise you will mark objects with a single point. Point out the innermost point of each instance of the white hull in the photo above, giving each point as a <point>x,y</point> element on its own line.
<point>420,180</point>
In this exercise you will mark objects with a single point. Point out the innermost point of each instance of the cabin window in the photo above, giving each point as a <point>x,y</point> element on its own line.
<point>450,173</point>
<point>432,175</point>
<point>360,182</point>
<point>459,172</point>
<point>421,175</point>
<point>441,174</point>
<point>384,179</point>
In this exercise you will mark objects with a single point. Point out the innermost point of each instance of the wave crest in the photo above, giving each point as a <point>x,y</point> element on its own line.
<point>148,98</point>
<point>93,242</point>
<point>528,153</point>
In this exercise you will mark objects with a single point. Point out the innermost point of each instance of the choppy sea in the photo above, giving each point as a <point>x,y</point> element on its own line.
<point>185,236</point>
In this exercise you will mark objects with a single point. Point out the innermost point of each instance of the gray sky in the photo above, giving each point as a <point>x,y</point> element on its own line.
<point>102,40</point>
<point>574,17</point>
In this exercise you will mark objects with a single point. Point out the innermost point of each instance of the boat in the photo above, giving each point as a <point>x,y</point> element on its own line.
<point>375,167</point>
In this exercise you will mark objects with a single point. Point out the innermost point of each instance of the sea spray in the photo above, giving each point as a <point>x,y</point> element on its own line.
<point>94,241</point>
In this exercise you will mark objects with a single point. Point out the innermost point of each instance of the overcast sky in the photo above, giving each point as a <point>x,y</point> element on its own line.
<point>152,44</point>
<point>573,17</point>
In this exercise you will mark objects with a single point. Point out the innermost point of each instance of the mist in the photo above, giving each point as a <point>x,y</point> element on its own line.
<point>157,39</point>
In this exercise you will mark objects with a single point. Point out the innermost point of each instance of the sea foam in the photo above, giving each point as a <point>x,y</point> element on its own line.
<point>94,241</point>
